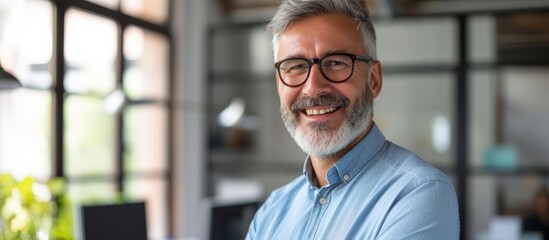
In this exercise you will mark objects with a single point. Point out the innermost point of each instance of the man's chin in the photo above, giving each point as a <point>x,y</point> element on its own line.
<point>311,142</point>
<point>317,127</point>
<point>327,143</point>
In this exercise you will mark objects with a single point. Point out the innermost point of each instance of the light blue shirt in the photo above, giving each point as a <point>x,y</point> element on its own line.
<point>377,190</point>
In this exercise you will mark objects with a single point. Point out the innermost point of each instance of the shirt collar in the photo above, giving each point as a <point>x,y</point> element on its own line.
<point>348,166</point>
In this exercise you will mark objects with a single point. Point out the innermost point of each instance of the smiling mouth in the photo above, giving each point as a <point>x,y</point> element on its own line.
<point>315,112</point>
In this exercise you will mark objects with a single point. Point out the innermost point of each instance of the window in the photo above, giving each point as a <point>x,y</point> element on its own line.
<point>96,103</point>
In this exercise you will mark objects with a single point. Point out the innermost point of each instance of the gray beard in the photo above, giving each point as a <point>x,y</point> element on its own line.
<point>317,139</point>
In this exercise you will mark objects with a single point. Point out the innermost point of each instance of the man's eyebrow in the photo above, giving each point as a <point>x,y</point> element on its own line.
<point>329,52</point>
<point>299,55</point>
<point>336,51</point>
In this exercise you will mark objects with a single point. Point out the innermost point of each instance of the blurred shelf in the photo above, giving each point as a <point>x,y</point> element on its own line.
<point>242,77</point>
<point>274,166</point>
<point>520,171</point>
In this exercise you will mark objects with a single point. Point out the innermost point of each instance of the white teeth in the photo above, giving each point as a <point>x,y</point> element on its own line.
<point>312,112</point>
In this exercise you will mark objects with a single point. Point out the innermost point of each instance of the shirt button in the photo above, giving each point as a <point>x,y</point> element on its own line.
<point>322,201</point>
<point>346,177</point>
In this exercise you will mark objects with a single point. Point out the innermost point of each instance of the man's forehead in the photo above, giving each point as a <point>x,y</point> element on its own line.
<point>317,36</point>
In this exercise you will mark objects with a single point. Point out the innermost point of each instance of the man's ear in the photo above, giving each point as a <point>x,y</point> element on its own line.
<point>376,81</point>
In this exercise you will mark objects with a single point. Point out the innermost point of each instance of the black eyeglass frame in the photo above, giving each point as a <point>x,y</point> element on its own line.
<point>312,61</point>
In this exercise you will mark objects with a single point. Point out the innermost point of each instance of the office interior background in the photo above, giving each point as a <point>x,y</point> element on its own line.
<point>174,103</point>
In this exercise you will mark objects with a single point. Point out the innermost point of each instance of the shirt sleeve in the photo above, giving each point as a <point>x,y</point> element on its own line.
<point>252,230</point>
<point>430,211</point>
<point>252,233</point>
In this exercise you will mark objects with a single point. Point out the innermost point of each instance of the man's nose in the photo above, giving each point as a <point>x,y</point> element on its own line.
<point>316,85</point>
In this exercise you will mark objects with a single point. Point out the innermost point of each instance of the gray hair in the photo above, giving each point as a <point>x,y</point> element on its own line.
<point>292,10</point>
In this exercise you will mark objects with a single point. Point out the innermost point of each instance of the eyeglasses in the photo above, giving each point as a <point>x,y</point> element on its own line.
<point>336,67</point>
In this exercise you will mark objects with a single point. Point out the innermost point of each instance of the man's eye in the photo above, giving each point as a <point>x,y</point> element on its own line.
<point>295,68</point>
<point>335,65</point>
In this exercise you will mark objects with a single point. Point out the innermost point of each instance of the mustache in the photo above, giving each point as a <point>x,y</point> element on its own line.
<point>324,100</point>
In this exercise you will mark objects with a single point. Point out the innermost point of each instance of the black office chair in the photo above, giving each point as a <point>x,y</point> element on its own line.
<point>114,222</point>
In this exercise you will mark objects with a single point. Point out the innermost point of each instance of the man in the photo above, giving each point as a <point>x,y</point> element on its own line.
<point>356,185</point>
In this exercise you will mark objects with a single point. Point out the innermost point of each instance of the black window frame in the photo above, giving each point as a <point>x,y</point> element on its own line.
<point>58,70</point>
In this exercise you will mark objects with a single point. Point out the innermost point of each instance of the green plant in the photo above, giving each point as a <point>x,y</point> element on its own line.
<point>33,210</point>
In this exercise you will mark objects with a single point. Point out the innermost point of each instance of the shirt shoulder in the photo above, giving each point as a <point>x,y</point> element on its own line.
<point>421,201</point>
<point>401,172</point>
<point>408,164</point>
